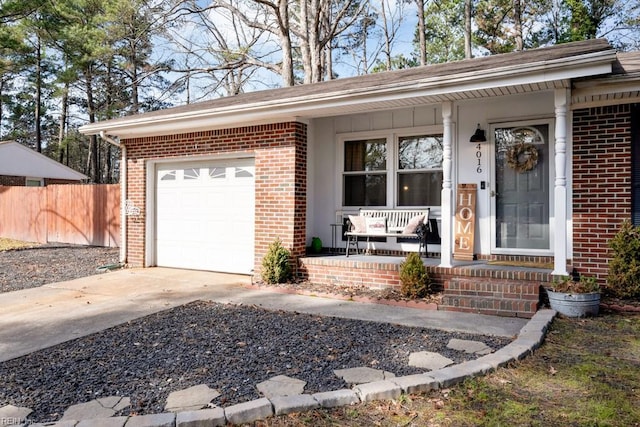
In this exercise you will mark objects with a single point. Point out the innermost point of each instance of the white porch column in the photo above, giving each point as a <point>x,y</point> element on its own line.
<point>561,100</point>
<point>447,192</point>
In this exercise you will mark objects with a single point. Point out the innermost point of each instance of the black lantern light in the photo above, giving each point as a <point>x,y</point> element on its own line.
<point>479,136</point>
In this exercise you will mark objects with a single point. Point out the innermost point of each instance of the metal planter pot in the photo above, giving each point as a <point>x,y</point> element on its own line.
<point>575,305</point>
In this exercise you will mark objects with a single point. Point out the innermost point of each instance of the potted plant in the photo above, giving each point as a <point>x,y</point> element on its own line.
<point>575,298</point>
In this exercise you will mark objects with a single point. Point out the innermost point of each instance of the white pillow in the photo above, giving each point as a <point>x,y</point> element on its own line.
<point>358,223</point>
<point>413,224</point>
<point>377,225</point>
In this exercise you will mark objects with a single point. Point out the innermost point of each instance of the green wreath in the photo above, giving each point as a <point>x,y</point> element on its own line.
<point>522,157</point>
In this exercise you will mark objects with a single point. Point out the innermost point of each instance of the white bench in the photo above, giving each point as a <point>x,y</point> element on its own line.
<point>387,223</point>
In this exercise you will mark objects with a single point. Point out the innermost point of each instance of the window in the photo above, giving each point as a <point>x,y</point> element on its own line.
<point>419,170</point>
<point>365,172</point>
<point>411,167</point>
<point>34,182</point>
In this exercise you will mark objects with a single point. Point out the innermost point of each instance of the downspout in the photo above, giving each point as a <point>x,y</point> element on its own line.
<point>123,194</point>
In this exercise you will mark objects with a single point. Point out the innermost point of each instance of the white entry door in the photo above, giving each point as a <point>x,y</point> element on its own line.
<point>205,215</point>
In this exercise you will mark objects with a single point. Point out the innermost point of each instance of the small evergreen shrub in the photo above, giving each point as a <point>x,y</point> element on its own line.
<point>275,264</point>
<point>414,277</point>
<point>624,267</point>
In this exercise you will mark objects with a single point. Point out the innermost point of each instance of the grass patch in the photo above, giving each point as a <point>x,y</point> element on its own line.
<point>8,244</point>
<point>586,373</point>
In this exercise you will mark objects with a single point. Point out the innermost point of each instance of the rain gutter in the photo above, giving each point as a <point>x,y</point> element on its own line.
<point>123,194</point>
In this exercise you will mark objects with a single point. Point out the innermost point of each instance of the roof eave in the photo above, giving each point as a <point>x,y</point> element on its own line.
<point>287,109</point>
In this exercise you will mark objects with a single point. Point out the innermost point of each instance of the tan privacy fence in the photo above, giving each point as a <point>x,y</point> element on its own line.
<point>78,214</point>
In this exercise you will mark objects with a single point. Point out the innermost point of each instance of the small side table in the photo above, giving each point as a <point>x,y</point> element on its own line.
<point>334,241</point>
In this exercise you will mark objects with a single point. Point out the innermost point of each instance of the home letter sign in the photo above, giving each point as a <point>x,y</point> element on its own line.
<point>465,225</point>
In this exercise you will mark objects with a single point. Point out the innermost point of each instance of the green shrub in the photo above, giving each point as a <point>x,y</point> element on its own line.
<point>414,277</point>
<point>624,267</point>
<point>275,264</point>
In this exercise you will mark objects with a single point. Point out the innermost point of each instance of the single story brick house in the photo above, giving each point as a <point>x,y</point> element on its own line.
<point>21,166</point>
<point>211,185</point>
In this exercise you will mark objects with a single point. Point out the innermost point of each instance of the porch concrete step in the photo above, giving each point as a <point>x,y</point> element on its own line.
<point>492,296</point>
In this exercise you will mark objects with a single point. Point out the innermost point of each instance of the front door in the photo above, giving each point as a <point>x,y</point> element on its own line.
<point>521,192</point>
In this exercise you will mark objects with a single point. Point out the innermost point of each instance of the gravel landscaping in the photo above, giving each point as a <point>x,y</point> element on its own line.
<point>36,266</point>
<point>229,348</point>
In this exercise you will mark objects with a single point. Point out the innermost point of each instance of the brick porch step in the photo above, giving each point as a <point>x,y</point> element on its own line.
<point>491,295</point>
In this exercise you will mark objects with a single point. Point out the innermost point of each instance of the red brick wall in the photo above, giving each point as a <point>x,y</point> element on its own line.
<point>601,183</point>
<point>280,152</point>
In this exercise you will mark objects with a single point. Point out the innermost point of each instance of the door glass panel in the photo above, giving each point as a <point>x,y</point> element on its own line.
<point>522,187</point>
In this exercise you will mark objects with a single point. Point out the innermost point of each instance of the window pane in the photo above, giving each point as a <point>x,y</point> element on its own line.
<point>419,189</point>
<point>34,183</point>
<point>243,173</point>
<point>217,173</point>
<point>191,173</point>
<point>365,155</point>
<point>420,152</point>
<point>168,175</point>
<point>365,190</point>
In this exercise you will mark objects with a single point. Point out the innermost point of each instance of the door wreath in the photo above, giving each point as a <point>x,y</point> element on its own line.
<point>522,157</point>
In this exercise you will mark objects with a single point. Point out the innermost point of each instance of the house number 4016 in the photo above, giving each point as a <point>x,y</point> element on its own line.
<point>479,158</point>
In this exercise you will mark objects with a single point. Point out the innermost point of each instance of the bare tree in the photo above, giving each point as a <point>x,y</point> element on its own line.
<point>316,24</point>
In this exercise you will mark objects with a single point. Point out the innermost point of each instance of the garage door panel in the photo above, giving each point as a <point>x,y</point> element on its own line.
<point>205,216</point>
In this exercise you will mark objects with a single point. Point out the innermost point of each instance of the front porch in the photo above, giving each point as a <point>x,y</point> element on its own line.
<point>481,286</point>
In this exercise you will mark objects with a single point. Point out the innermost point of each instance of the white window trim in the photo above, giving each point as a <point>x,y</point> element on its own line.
<point>392,136</point>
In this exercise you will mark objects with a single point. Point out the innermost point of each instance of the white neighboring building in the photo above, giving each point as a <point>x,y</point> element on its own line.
<point>22,166</point>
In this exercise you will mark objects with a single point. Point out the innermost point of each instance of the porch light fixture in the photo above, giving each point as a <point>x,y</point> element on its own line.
<point>479,136</point>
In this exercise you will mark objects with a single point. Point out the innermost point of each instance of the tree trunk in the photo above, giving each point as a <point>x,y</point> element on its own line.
<point>38,106</point>
<point>314,40</point>
<point>387,36</point>
<point>304,33</point>
<point>517,19</point>
<point>285,42</point>
<point>93,169</point>
<point>328,51</point>
<point>468,54</point>
<point>62,130</point>
<point>135,97</point>
<point>422,33</point>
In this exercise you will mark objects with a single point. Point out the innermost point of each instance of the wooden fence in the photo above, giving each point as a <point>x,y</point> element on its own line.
<point>77,214</point>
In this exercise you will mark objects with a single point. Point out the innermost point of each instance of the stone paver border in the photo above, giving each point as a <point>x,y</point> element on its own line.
<point>529,339</point>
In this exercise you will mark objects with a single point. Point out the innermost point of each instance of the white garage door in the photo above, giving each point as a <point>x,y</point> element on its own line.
<point>205,215</point>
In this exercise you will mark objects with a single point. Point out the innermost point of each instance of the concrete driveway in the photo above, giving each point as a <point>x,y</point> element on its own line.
<point>38,318</point>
